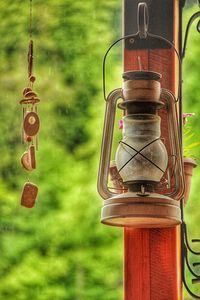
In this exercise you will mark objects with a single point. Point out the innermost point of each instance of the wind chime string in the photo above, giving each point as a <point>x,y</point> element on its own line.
<point>31,19</point>
<point>31,78</point>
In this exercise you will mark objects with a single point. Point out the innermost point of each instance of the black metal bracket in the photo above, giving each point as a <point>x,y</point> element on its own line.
<point>194,17</point>
<point>161,16</point>
<point>186,247</point>
<point>143,34</point>
<point>182,2</point>
<point>184,228</point>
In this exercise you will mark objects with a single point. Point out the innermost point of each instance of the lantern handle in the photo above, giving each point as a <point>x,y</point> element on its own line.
<point>134,36</point>
<point>174,132</point>
<point>106,145</point>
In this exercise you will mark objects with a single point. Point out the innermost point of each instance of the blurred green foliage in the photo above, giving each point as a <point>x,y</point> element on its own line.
<point>59,250</point>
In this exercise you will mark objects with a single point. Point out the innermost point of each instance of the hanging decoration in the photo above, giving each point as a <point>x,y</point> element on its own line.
<point>30,127</point>
<point>151,172</point>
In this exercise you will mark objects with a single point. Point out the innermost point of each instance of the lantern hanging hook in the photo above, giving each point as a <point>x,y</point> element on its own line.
<point>143,20</point>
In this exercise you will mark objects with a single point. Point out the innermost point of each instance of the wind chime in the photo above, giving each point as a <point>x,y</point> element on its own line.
<point>30,127</point>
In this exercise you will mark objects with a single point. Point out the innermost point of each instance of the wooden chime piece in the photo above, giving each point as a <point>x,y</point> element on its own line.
<point>29,195</point>
<point>28,159</point>
<point>31,124</point>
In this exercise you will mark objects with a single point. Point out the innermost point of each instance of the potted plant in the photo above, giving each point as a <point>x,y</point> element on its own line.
<point>189,159</point>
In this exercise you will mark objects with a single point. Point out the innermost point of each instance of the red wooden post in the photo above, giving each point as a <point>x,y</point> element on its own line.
<point>152,268</point>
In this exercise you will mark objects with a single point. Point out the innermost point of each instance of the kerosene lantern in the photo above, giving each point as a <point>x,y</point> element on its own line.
<point>143,187</point>
<point>143,165</point>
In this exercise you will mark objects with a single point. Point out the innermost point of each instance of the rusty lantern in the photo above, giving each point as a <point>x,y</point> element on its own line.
<point>147,176</point>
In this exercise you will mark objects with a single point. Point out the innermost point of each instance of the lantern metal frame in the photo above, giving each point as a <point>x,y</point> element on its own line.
<point>174,134</point>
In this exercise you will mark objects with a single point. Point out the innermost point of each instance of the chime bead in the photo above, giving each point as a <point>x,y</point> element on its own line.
<point>26,90</point>
<point>32,78</point>
<point>30,94</point>
<point>28,138</point>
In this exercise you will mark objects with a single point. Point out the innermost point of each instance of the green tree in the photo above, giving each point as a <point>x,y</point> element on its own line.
<point>58,250</point>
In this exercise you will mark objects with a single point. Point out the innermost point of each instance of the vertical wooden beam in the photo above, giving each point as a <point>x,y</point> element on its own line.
<point>152,268</point>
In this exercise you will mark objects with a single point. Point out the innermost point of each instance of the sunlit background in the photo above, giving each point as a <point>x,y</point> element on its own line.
<point>59,250</point>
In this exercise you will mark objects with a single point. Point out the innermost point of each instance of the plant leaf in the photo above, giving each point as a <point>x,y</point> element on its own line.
<point>193,145</point>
